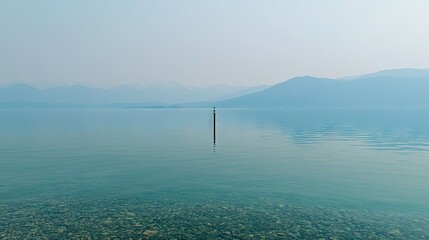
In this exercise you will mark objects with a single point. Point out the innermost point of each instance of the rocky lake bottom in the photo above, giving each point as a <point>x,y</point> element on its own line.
<point>210,219</point>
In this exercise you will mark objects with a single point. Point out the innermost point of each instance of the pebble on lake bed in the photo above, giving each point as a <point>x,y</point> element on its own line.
<point>130,214</point>
<point>150,233</point>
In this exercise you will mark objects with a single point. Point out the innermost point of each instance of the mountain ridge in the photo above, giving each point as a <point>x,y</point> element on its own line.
<point>394,88</point>
<point>161,94</point>
<point>383,89</point>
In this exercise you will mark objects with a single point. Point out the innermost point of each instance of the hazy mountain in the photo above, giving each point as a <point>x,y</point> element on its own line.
<point>19,93</point>
<point>244,92</point>
<point>400,73</point>
<point>402,88</point>
<point>153,94</point>
<point>398,88</point>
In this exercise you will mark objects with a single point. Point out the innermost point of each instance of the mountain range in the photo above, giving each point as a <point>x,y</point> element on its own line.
<point>398,88</point>
<point>158,94</point>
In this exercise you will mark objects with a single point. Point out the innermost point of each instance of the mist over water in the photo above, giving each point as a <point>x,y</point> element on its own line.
<point>278,173</point>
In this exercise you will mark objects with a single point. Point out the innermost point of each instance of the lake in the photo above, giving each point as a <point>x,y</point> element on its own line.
<point>157,174</point>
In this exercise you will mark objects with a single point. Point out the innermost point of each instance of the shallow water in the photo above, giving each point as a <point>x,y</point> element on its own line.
<point>273,174</point>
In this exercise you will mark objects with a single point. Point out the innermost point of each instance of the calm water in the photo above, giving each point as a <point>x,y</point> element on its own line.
<point>272,174</point>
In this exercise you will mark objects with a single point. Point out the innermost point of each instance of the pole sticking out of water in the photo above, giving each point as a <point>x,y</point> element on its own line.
<point>214,124</point>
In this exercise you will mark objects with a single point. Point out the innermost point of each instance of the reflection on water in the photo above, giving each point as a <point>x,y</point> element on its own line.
<point>383,129</point>
<point>158,174</point>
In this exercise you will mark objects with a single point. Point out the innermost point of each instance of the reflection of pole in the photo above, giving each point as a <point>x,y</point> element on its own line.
<point>214,124</point>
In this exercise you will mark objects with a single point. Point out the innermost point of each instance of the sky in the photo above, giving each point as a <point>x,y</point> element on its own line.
<point>199,43</point>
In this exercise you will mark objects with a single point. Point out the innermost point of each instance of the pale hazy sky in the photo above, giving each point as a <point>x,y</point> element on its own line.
<point>105,43</point>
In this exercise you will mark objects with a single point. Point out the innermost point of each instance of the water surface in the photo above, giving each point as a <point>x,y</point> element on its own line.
<point>156,173</point>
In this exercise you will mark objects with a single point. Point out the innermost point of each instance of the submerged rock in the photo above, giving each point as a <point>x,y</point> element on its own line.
<point>130,214</point>
<point>395,232</point>
<point>150,233</point>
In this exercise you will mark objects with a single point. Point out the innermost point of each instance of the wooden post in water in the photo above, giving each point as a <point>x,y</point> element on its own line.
<point>214,124</point>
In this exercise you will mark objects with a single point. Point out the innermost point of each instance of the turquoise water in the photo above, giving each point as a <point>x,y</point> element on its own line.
<point>156,174</point>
